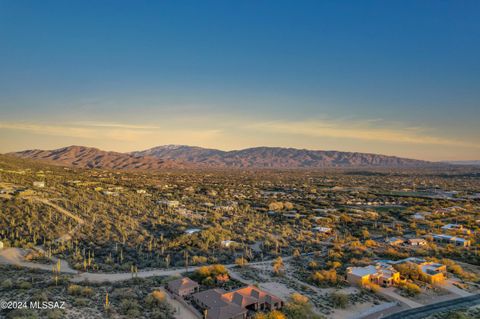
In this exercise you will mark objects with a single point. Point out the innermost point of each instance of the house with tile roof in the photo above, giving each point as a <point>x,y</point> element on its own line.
<point>236,304</point>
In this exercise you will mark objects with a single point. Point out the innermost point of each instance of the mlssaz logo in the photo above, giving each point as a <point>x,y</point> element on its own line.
<point>47,305</point>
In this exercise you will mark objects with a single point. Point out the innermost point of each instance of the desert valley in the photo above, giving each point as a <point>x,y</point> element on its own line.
<point>112,234</point>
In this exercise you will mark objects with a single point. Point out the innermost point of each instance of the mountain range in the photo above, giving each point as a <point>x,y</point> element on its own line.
<point>89,157</point>
<point>182,156</point>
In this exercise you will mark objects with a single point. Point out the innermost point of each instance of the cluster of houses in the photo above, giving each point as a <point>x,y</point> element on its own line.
<point>456,228</point>
<point>438,238</point>
<point>444,238</point>
<point>397,241</point>
<point>362,202</point>
<point>327,215</point>
<point>437,212</point>
<point>384,274</point>
<point>453,240</point>
<point>448,236</point>
<point>240,303</point>
<point>229,207</point>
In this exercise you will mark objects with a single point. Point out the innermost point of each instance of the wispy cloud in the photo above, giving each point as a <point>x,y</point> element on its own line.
<point>116,125</point>
<point>57,130</point>
<point>113,131</point>
<point>374,130</point>
<point>227,132</point>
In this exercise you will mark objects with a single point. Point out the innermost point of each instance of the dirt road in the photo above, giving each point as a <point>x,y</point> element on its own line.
<point>16,256</point>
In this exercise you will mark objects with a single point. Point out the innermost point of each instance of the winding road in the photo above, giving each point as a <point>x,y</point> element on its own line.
<point>15,256</point>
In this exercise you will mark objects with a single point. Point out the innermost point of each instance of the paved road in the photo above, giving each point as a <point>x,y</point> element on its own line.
<point>425,311</point>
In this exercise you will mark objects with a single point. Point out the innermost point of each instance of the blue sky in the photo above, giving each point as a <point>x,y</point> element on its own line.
<point>392,77</point>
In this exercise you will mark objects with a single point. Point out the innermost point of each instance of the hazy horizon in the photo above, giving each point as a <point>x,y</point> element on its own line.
<point>397,78</point>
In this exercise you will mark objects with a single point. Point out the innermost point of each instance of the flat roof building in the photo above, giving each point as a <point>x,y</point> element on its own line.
<point>432,272</point>
<point>380,274</point>
<point>447,239</point>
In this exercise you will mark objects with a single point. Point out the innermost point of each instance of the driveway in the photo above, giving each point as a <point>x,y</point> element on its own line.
<point>449,285</point>
<point>390,292</point>
<point>181,311</point>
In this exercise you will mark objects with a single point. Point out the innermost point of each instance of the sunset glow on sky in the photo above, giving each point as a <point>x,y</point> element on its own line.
<point>391,77</point>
